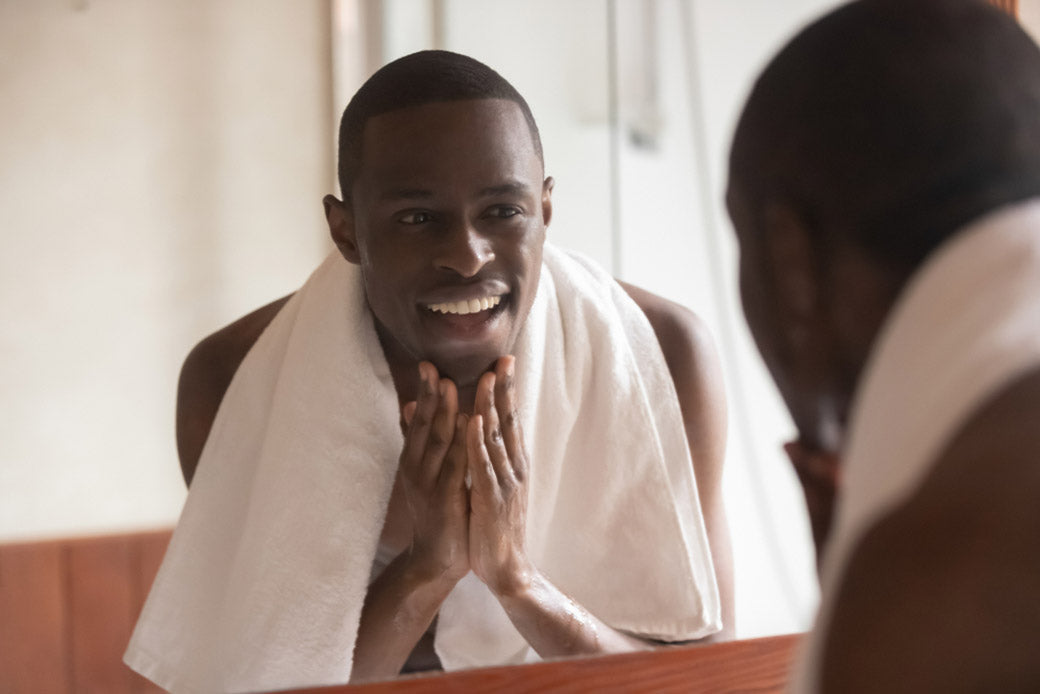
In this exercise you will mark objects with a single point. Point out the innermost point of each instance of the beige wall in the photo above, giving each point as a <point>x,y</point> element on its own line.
<point>161,169</point>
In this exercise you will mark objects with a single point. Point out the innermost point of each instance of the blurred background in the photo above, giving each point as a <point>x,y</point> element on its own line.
<point>161,172</point>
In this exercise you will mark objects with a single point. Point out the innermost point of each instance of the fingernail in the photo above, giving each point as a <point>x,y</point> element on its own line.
<point>426,375</point>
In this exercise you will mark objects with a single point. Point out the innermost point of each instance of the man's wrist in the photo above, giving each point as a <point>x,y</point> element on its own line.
<point>519,584</point>
<point>420,590</point>
<point>422,572</point>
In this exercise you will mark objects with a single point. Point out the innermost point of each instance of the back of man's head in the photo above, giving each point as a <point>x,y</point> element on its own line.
<point>891,123</point>
<point>414,80</point>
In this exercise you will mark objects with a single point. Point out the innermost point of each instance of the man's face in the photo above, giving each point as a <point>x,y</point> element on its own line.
<point>754,290</point>
<point>448,215</point>
<point>765,310</point>
<point>788,307</point>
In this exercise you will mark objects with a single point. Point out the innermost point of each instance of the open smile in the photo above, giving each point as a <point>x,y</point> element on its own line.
<point>466,306</point>
<point>465,320</point>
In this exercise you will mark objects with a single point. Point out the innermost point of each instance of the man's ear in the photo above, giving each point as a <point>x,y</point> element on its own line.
<point>341,227</point>
<point>547,189</point>
<point>796,272</point>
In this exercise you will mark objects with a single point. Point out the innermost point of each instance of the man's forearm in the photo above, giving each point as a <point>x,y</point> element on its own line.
<point>399,607</point>
<point>555,625</point>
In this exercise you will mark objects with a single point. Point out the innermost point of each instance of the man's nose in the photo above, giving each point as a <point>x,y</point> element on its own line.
<point>464,250</point>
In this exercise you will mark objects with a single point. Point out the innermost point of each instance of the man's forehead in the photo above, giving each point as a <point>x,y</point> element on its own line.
<point>438,120</point>
<point>405,152</point>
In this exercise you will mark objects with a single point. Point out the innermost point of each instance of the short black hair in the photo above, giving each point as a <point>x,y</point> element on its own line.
<point>893,123</point>
<point>420,78</point>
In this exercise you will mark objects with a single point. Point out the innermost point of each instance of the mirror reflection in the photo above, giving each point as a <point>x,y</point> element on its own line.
<point>187,150</point>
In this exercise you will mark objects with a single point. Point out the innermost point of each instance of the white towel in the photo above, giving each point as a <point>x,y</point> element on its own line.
<point>264,581</point>
<point>967,324</point>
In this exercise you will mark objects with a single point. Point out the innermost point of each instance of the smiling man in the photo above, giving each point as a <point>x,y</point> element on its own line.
<point>885,190</point>
<point>469,205</point>
<point>543,500</point>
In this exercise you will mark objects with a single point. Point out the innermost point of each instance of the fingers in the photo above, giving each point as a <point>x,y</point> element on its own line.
<point>453,470</point>
<point>442,431</point>
<point>813,463</point>
<point>482,474</point>
<point>421,418</point>
<point>407,412</point>
<point>509,416</point>
<point>431,425</point>
<point>492,431</point>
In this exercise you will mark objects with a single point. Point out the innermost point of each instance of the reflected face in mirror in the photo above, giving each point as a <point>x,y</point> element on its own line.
<point>446,219</point>
<point>752,280</point>
<point>814,455</point>
<point>758,293</point>
<point>787,285</point>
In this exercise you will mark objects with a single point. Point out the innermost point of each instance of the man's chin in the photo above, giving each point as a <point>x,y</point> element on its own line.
<point>465,372</point>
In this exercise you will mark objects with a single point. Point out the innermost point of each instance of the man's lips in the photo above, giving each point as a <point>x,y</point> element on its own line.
<point>464,299</point>
<point>465,319</point>
<point>466,306</point>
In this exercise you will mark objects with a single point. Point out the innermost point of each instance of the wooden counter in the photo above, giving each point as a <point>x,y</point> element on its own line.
<point>756,665</point>
<point>68,606</point>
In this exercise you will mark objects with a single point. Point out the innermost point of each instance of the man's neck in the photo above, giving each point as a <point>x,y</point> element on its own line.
<point>404,369</point>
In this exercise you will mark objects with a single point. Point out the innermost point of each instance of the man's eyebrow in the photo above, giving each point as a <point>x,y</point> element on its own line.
<point>507,188</point>
<point>406,194</point>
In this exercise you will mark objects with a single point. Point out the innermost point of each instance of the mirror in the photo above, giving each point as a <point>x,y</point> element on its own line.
<point>163,166</point>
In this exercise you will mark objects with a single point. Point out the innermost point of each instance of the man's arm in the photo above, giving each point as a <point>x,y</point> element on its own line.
<point>695,369</point>
<point>941,595</point>
<point>205,377</point>
<point>402,602</point>
<point>404,599</point>
<point>552,623</point>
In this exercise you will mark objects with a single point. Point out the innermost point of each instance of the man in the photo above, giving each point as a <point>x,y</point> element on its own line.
<point>444,310</point>
<point>883,185</point>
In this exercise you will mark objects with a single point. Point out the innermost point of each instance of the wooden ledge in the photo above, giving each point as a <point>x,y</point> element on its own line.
<point>754,665</point>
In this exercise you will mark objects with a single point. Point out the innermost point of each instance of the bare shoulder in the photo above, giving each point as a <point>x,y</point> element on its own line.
<point>941,594</point>
<point>680,331</point>
<point>205,377</point>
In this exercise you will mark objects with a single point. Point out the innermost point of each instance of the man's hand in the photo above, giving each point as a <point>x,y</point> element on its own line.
<point>820,474</point>
<point>433,471</point>
<point>551,622</point>
<point>498,473</point>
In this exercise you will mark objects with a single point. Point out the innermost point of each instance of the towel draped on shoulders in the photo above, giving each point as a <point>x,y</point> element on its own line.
<point>263,584</point>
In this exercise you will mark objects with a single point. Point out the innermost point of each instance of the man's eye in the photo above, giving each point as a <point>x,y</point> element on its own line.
<point>415,218</point>
<point>503,211</point>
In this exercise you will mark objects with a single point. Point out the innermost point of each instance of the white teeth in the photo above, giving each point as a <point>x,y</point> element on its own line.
<point>463,308</point>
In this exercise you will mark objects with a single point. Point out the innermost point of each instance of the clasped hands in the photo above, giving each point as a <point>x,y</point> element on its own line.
<point>458,527</point>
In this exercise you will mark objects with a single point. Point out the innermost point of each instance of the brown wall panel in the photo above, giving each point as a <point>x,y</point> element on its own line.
<point>101,595</point>
<point>33,619</point>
